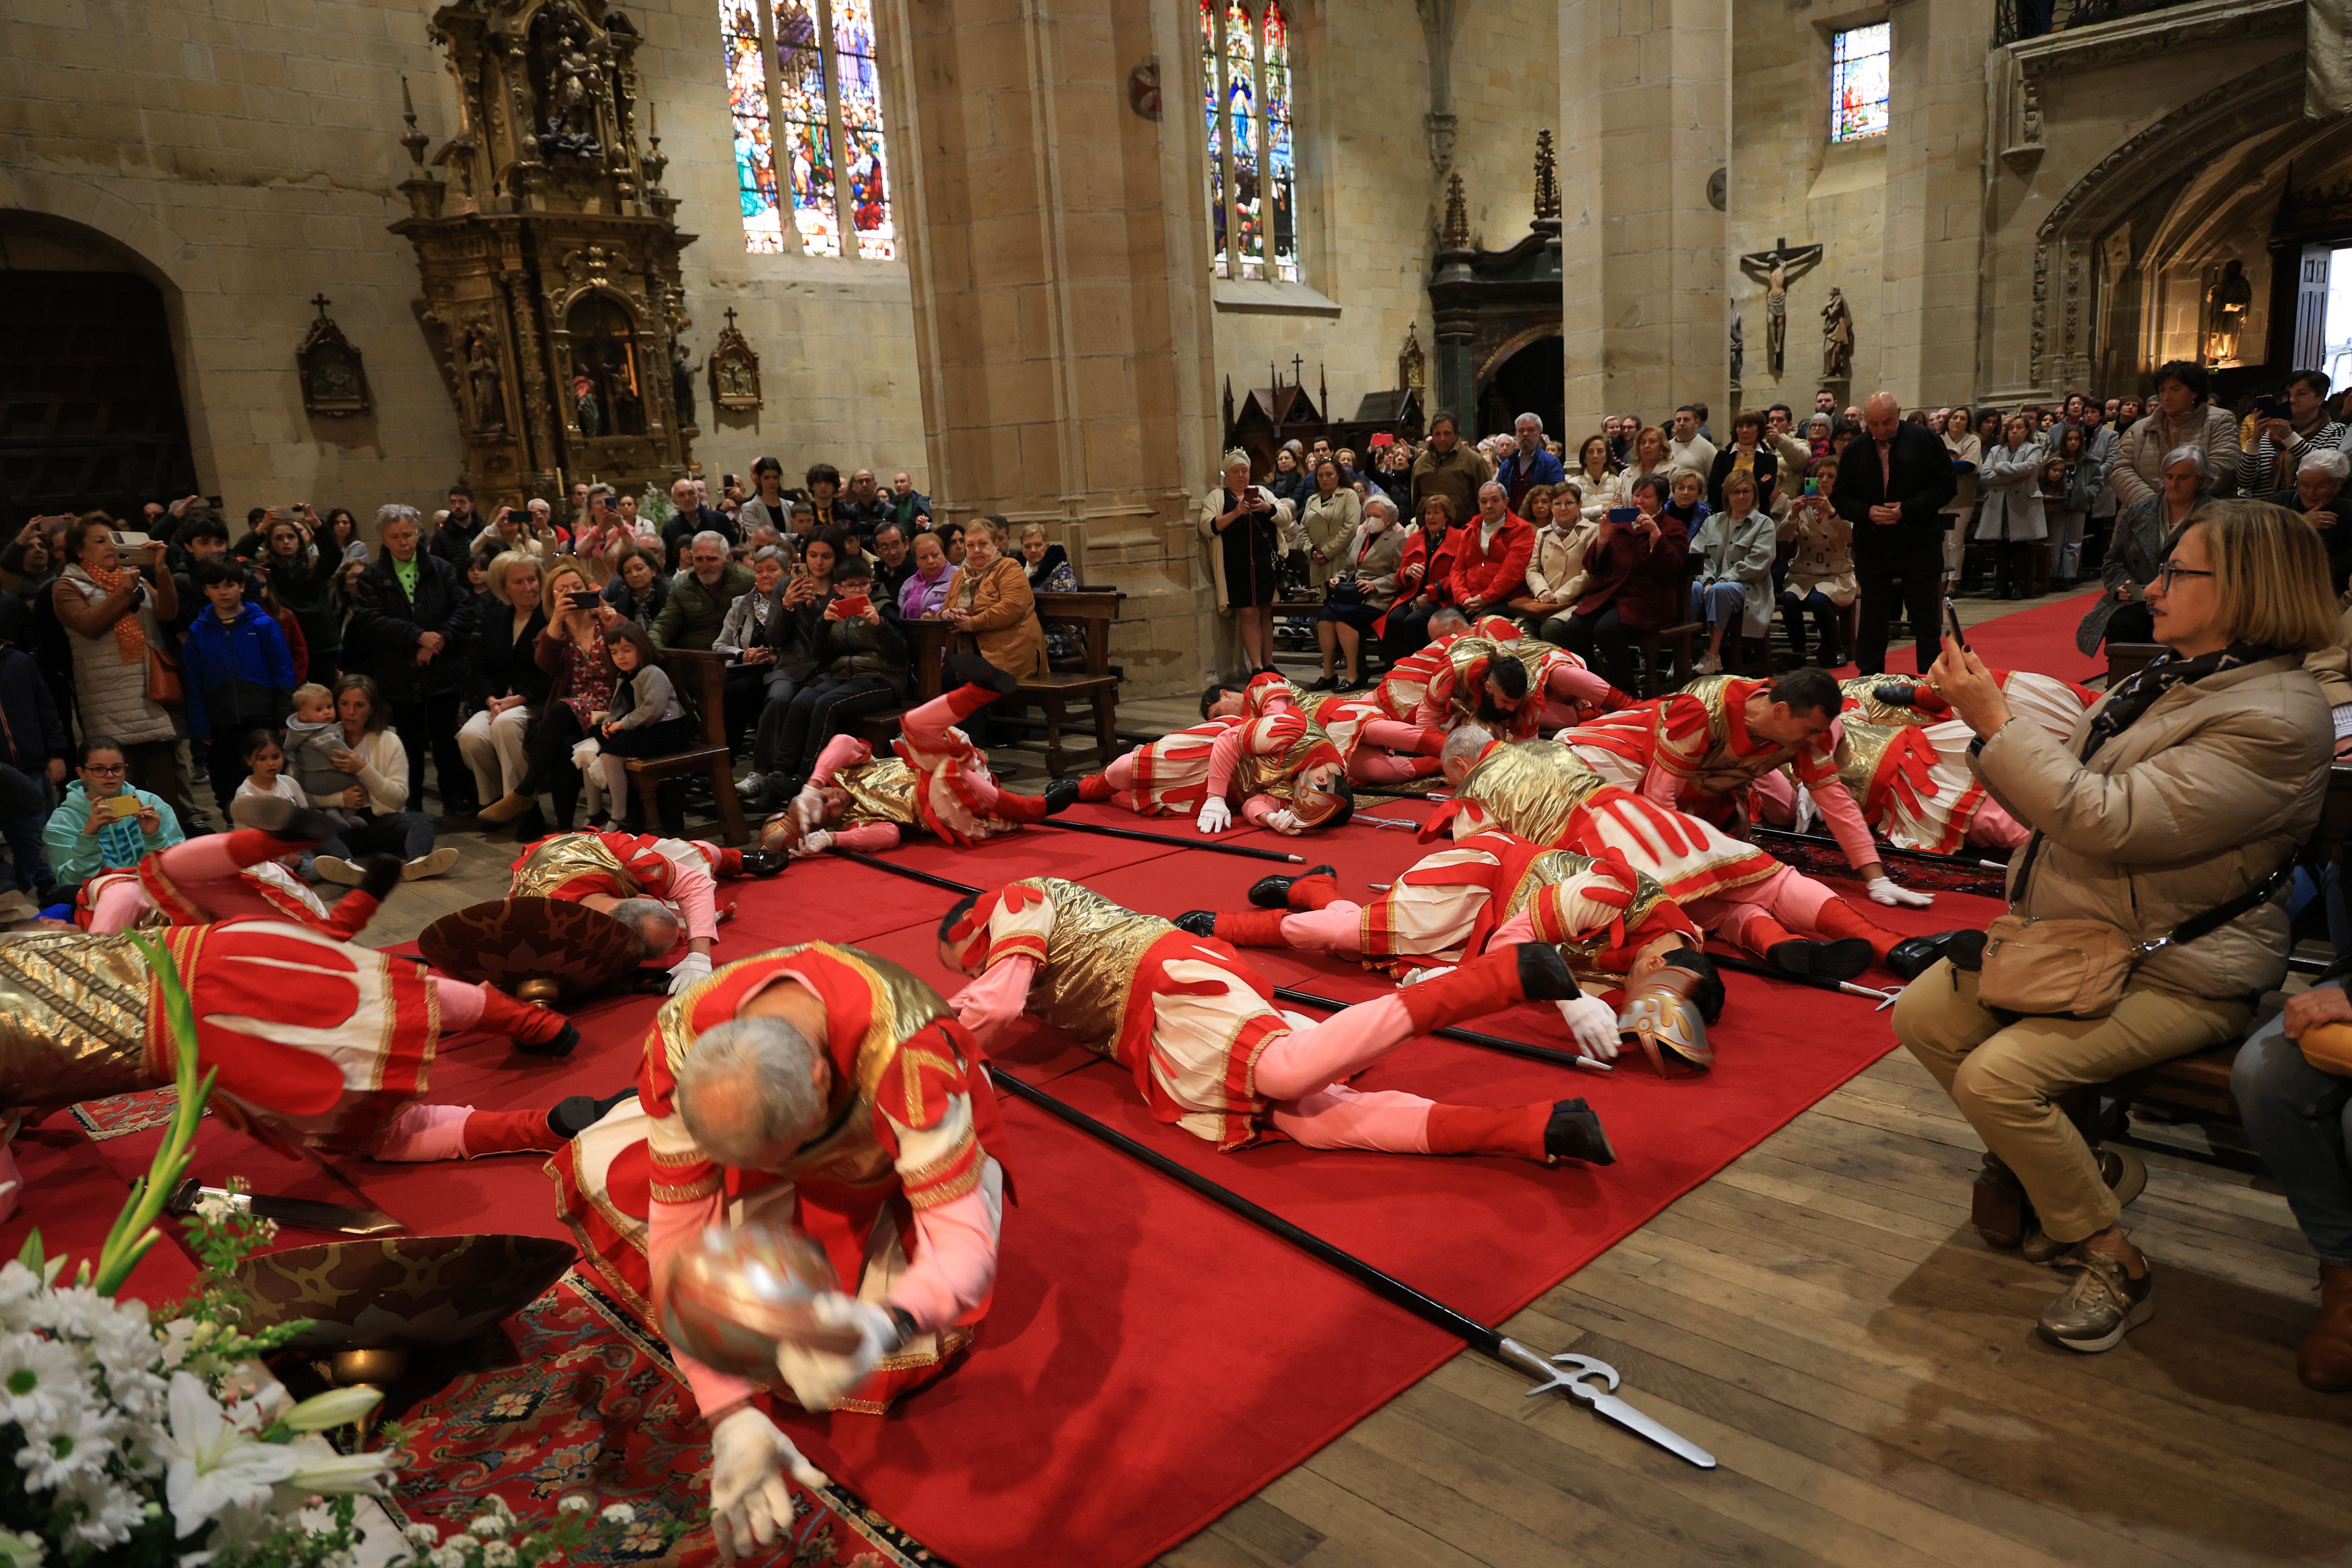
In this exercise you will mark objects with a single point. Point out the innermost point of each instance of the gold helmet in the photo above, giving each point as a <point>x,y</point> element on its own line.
<point>1668,1013</point>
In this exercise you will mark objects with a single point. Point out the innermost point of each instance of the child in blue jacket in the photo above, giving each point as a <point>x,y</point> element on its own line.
<point>240,676</point>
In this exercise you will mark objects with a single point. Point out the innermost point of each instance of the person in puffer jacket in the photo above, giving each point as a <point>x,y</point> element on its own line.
<point>240,675</point>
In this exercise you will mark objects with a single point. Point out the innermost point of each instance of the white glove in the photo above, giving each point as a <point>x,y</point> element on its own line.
<point>1283,820</point>
<point>808,807</point>
<point>693,967</point>
<point>1216,815</point>
<point>1882,890</point>
<point>818,1378</point>
<point>748,1500</point>
<point>1806,809</point>
<point>812,842</point>
<point>1592,1023</point>
<point>1415,977</point>
<point>584,754</point>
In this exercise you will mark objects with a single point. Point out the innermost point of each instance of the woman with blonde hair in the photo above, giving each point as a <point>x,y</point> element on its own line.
<point>508,687</point>
<point>1649,456</point>
<point>2173,813</point>
<point>570,648</point>
<point>1241,527</point>
<point>990,604</point>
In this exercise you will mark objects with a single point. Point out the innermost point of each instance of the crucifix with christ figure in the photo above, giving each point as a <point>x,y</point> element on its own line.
<point>1776,268</point>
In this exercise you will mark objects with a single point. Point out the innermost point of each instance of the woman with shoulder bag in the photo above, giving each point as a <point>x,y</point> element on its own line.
<point>2147,911</point>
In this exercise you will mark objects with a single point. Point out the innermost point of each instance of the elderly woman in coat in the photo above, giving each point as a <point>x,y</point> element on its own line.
<point>990,601</point>
<point>1735,549</point>
<point>2190,786</point>
<point>114,611</point>
<point>2137,549</point>
<point>2180,416</point>
<point>2012,519</point>
<point>1241,527</point>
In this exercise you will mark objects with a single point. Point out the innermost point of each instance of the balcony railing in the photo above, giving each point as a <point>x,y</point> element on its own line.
<point>2017,20</point>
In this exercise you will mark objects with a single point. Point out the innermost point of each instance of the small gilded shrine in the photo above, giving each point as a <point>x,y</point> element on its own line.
<point>549,253</point>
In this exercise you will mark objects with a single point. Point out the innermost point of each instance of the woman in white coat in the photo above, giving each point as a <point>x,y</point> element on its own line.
<point>2010,482</point>
<point>1734,548</point>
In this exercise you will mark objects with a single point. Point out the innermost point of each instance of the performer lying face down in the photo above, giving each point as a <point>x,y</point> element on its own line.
<point>1284,769</point>
<point>1197,1028</point>
<point>1613,925</point>
<point>1376,748</point>
<point>1697,750</point>
<point>1539,791</point>
<point>939,783</point>
<point>226,874</point>
<point>825,1089</point>
<point>1552,690</point>
<point>659,888</point>
<point>1915,784</point>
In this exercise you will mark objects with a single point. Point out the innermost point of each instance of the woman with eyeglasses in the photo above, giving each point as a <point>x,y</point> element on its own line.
<point>103,824</point>
<point>2192,784</point>
<point>2137,550</point>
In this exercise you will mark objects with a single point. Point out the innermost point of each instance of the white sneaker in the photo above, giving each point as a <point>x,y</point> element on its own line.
<point>431,864</point>
<point>336,869</point>
<point>1709,664</point>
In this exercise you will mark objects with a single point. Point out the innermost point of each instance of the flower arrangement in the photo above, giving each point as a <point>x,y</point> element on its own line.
<point>156,1439</point>
<point>655,507</point>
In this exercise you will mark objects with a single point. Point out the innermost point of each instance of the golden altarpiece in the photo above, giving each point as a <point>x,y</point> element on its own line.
<point>549,254</point>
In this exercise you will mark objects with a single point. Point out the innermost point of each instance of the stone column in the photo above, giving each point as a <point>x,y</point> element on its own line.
<point>1060,266</point>
<point>1927,329</point>
<point>1644,104</point>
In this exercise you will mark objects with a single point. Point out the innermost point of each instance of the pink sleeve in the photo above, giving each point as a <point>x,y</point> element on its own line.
<point>868,837</point>
<point>841,751</point>
<point>997,997</point>
<point>1662,786</point>
<point>1225,756</point>
<point>697,899</point>
<point>1520,928</point>
<point>671,1226</point>
<point>1431,714</point>
<point>1846,824</point>
<point>1258,807</point>
<point>954,1264</point>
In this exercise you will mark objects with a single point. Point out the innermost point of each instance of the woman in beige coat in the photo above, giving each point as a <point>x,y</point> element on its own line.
<point>990,601</point>
<point>2186,787</point>
<point>1329,516</point>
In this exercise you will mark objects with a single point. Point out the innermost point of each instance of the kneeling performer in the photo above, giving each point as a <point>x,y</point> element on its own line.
<point>1197,1028</point>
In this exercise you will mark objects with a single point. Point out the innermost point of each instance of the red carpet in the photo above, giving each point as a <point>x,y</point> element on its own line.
<point>1151,1359</point>
<point>2040,639</point>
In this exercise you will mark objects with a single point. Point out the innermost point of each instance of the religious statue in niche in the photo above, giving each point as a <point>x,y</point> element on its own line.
<point>681,384</point>
<point>1412,365</point>
<point>489,385</point>
<point>1739,349</point>
<point>734,371</point>
<point>1776,268</point>
<point>334,381</point>
<point>567,66</point>
<point>584,409</point>
<point>2226,304</point>
<point>604,350</point>
<point>1837,339</point>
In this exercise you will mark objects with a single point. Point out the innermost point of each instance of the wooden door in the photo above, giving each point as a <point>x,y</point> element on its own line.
<point>2311,306</point>
<point>90,399</point>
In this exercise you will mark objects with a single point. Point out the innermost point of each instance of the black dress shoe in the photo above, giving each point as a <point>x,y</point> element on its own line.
<point>763,862</point>
<point>1574,1134</point>
<point>576,1113</point>
<point>1840,960</point>
<point>1060,795</point>
<point>1198,922</point>
<point>1274,892</point>
<point>970,668</point>
<point>1915,955</point>
<point>566,1041</point>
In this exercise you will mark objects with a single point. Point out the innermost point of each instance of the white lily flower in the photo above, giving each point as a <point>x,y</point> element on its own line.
<point>215,1460</point>
<point>325,1473</point>
<point>336,1408</point>
<point>498,1554</point>
<point>21,1550</point>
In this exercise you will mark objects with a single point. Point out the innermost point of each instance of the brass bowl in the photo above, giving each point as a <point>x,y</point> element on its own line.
<point>542,950</point>
<point>400,1292</point>
<point>736,1293</point>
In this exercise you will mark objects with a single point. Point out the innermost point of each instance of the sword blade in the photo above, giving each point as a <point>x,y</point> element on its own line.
<point>1634,1421</point>
<point>341,1219</point>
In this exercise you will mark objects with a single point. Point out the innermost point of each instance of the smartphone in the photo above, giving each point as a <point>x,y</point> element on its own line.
<point>129,538</point>
<point>850,605</point>
<point>1813,487</point>
<point>123,805</point>
<point>1624,513</point>
<point>587,599</point>
<point>1952,622</point>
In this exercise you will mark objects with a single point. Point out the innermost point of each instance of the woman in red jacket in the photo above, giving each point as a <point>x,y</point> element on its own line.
<point>1424,575</point>
<point>1635,584</point>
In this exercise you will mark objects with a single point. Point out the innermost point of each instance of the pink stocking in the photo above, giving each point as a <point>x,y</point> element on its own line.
<point>1774,799</point>
<point>1307,1060</point>
<point>1337,927</point>
<point>210,871</point>
<point>1390,735</point>
<point>1343,1118</point>
<point>461,1005</point>
<point>926,727</point>
<point>1571,684</point>
<point>1791,897</point>
<point>424,1132</point>
<point>1368,767</point>
<point>1120,774</point>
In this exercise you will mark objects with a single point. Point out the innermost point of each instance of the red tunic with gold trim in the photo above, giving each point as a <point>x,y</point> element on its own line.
<point>1695,740</point>
<point>913,1125</point>
<point>1172,773</point>
<point>571,866</point>
<point>947,765</point>
<point>1916,789</point>
<point>1406,686</point>
<point>1449,905</point>
<point>2056,705</point>
<point>319,1044</point>
<point>169,904</point>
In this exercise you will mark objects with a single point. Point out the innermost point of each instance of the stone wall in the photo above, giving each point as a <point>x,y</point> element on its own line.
<point>244,154</point>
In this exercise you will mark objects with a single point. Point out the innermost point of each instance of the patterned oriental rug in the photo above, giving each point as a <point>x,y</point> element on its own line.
<point>1151,1359</point>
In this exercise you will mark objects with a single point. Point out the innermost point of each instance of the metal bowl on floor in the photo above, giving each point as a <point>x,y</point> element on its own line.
<point>542,950</point>
<point>399,1293</point>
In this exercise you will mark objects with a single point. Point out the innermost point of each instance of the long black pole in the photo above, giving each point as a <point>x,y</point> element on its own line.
<point>1386,1286</point>
<point>1818,982</point>
<point>1962,862</point>
<point>898,871</point>
<point>1202,842</point>
<point>1509,1047</point>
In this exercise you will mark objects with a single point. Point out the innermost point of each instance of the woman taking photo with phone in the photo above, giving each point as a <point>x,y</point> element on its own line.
<point>127,677</point>
<point>570,650</point>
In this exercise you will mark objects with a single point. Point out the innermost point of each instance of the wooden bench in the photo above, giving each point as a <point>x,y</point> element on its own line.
<point>701,682</point>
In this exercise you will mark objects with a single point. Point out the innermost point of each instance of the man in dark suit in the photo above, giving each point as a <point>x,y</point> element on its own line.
<point>1891,485</point>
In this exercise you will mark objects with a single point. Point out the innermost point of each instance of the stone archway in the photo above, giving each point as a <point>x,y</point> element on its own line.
<point>1525,376</point>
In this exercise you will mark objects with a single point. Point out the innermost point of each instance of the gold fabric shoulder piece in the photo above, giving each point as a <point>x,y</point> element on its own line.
<point>1530,789</point>
<point>882,790</point>
<point>1278,776</point>
<point>74,1014</point>
<point>1863,691</point>
<point>1091,957</point>
<point>1860,750</point>
<point>559,859</point>
<point>1547,870</point>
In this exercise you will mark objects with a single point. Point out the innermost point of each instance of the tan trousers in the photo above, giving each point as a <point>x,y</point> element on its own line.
<point>2006,1078</point>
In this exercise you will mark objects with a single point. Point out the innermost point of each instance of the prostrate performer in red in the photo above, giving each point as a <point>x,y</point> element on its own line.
<point>1539,791</point>
<point>1913,782</point>
<point>824,1089</point>
<point>1377,748</point>
<point>939,781</point>
<point>1197,1028</point>
<point>1284,769</point>
<point>1697,750</point>
<point>224,876</point>
<point>660,888</point>
<point>1556,690</point>
<point>1614,926</point>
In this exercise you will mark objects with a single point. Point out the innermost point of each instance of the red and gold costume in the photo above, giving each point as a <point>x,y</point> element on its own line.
<point>903,1173</point>
<point>1405,687</point>
<point>222,876</point>
<point>1254,762</point>
<point>1915,784</point>
<point>1376,748</point>
<point>675,871</point>
<point>2056,705</point>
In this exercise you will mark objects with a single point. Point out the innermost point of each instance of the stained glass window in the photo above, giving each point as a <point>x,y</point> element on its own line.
<point>1253,184</point>
<point>1858,91</point>
<point>807,104</point>
<point>755,151</point>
